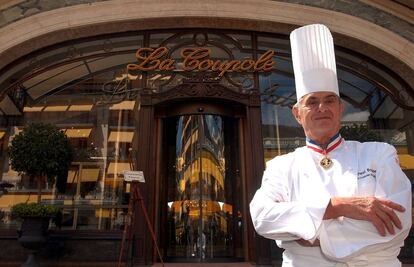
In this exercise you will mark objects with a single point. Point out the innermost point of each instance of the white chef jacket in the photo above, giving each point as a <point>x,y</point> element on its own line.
<point>296,190</point>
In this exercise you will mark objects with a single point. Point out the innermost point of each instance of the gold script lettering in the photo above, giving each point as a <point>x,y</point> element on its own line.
<point>167,64</point>
<point>232,65</point>
<point>192,57</point>
<point>197,59</point>
<point>152,61</point>
<point>265,61</point>
<point>247,64</point>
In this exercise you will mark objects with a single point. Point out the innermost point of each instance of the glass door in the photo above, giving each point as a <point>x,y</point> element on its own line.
<point>204,189</point>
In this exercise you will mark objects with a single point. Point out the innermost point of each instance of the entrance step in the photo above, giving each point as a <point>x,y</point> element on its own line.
<point>221,264</point>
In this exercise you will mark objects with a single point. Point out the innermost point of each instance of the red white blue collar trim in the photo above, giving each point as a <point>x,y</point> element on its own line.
<point>334,143</point>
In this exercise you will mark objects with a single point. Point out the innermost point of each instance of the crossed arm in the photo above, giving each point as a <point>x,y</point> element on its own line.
<point>368,222</point>
<point>380,212</point>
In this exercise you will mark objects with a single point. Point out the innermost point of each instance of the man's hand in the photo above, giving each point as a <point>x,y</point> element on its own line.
<point>380,212</point>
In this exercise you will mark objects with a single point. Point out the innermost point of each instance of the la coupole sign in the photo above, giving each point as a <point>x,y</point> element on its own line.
<point>198,59</point>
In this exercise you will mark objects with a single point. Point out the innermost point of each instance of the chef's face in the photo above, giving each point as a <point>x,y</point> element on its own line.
<point>320,115</point>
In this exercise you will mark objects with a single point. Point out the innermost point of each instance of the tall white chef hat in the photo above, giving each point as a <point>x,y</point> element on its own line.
<point>313,60</point>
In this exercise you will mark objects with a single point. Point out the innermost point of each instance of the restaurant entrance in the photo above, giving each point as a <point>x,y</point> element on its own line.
<point>202,189</point>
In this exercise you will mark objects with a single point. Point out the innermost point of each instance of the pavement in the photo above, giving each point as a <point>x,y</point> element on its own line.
<point>232,264</point>
<point>112,264</point>
<point>240,264</point>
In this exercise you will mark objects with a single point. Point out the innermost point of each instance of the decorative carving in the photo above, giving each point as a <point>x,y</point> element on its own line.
<point>17,95</point>
<point>118,90</point>
<point>146,98</point>
<point>255,100</point>
<point>201,90</point>
<point>403,98</point>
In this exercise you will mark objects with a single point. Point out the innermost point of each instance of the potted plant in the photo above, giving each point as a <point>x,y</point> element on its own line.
<point>40,151</point>
<point>33,232</point>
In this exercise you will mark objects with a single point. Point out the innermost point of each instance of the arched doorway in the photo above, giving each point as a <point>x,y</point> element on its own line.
<point>201,176</point>
<point>201,207</point>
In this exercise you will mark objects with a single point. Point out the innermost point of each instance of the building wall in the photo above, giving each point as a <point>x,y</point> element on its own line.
<point>372,30</point>
<point>392,15</point>
<point>31,25</point>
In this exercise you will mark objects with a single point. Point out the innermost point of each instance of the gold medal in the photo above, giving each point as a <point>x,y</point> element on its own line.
<point>326,162</point>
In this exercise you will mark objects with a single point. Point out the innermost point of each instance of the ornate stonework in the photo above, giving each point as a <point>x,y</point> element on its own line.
<point>18,10</point>
<point>31,25</point>
<point>198,90</point>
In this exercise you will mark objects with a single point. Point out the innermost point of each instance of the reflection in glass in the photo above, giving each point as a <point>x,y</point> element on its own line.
<point>202,215</point>
<point>95,195</point>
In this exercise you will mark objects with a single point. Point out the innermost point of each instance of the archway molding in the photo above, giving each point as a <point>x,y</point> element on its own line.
<point>48,28</point>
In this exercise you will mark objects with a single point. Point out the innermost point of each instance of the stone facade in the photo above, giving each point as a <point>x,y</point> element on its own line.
<point>27,8</point>
<point>73,21</point>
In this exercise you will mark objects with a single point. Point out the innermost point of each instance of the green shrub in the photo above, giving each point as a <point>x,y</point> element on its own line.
<point>33,210</point>
<point>41,150</point>
<point>359,132</point>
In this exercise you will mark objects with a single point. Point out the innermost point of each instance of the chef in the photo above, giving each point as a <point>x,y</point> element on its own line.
<point>333,202</point>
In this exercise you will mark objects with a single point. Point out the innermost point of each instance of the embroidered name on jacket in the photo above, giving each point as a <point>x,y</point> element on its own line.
<point>367,173</point>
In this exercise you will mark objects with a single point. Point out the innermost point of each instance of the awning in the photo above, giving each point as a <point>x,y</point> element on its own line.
<point>118,167</point>
<point>124,105</point>
<point>406,161</point>
<point>33,109</point>
<point>88,175</point>
<point>104,213</point>
<point>80,107</point>
<point>11,176</point>
<point>119,136</point>
<point>55,108</point>
<point>78,133</point>
<point>7,200</point>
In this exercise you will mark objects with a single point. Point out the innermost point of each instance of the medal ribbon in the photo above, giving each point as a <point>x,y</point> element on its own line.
<point>337,140</point>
